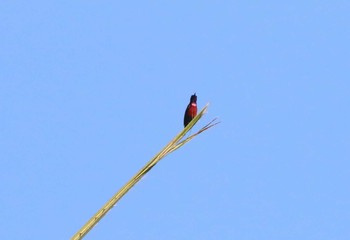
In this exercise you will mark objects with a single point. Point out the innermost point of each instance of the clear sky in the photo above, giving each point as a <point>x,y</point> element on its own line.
<point>91,90</point>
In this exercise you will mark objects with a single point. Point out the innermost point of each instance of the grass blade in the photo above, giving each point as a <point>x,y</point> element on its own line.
<point>173,145</point>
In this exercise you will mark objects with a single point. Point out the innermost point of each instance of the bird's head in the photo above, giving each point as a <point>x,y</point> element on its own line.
<point>193,98</point>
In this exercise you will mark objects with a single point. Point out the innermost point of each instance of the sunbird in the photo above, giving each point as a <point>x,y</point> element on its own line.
<point>191,110</point>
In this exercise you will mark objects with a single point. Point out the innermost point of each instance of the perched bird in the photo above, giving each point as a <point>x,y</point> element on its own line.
<point>191,110</point>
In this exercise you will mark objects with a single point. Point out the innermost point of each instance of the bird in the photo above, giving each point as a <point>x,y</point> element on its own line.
<point>191,110</point>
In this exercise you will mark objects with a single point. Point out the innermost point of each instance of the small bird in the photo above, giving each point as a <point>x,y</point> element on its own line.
<point>191,110</point>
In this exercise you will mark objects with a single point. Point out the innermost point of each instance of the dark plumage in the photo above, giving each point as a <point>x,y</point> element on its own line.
<point>191,110</point>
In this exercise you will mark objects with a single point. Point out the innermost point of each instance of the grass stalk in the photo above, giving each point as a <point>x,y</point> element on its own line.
<point>173,145</point>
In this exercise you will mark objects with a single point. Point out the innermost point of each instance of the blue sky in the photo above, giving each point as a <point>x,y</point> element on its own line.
<point>90,91</point>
